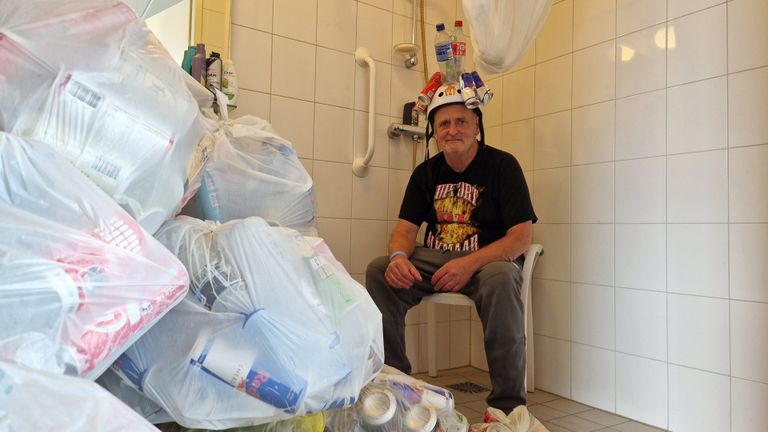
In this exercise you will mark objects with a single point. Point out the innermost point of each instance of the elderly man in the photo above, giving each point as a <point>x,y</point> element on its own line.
<point>479,218</point>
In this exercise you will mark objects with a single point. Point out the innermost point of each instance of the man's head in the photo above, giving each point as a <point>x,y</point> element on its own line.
<point>453,125</point>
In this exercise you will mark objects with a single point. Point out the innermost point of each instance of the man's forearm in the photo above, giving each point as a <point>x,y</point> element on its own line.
<point>514,243</point>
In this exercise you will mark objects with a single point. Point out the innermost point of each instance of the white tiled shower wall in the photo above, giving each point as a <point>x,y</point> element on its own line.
<point>640,125</point>
<point>296,68</point>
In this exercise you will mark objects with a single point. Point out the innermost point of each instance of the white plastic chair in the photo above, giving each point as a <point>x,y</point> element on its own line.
<point>531,256</point>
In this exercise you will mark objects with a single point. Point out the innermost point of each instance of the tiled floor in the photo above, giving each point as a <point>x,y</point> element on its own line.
<point>556,413</point>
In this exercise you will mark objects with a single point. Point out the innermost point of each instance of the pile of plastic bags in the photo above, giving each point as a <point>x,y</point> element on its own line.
<point>273,327</point>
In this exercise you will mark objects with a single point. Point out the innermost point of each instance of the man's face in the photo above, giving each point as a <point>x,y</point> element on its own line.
<point>456,127</point>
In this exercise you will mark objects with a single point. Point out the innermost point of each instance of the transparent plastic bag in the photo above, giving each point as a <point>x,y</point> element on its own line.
<point>254,172</point>
<point>81,280</point>
<point>272,327</point>
<point>395,402</point>
<point>519,420</point>
<point>503,30</point>
<point>33,400</point>
<point>107,96</point>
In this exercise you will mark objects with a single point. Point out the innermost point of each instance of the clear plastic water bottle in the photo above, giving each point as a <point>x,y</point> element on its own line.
<point>459,46</point>
<point>444,52</point>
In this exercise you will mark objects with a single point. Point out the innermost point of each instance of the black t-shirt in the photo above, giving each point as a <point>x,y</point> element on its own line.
<point>468,210</point>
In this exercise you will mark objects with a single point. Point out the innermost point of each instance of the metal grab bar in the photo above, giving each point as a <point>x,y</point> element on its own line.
<point>396,129</point>
<point>360,165</point>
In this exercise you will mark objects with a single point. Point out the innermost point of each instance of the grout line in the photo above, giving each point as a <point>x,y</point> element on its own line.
<point>728,209</point>
<point>666,204</point>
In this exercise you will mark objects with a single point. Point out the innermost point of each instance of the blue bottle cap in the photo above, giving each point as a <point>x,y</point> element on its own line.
<point>440,27</point>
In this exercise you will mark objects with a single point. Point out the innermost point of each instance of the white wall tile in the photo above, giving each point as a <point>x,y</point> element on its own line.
<point>383,89</point>
<point>288,23</point>
<point>698,332</point>
<point>398,180</point>
<point>697,400</point>
<point>748,107</point>
<point>382,4</point>
<point>748,184</point>
<point>553,365</point>
<point>406,84</point>
<point>293,69</point>
<point>641,123</point>
<point>556,238</point>
<point>492,113</point>
<point>369,194</point>
<point>748,402</point>
<point>333,188</point>
<point>307,164</point>
<point>553,85</point>
<point>592,198</point>
<point>336,233</point>
<point>381,141</point>
<point>459,343</point>
<point>641,323</point>
<point>443,344</point>
<point>256,14</point>
<point>678,8</point>
<point>700,45</point>
<point>552,140</point>
<point>401,150</point>
<point>517,101</point>
<point>748,248</point>
<point>641,61</point>
<point>747,36</point>
<point>641,389</point>
<point>749,341</point>
<point>552,195</point>
<point>333,133</point>
<point>633,15</point>
<point>697,261</point>
<point>440,11</point>
<point>594,74</point>
<point>517,138</point>
<point>641,191</point>
<point>641,256</point>
<point>594,376</point>
<point>368,241</point>
<point>593,317</point>
<point>556,37</point>
<point>252,53</point>
<point>253,103</point>
<point>374,31</point>
<point>294,120</point>
<point>697,187</point>
<point>594,21</point>
<point>593,253</point>
<point>551,308</point>
<point>528,59</point>
<point>697,116</point>
<point>594,130</point>
<point>334,73</point>
<point>336,23</point>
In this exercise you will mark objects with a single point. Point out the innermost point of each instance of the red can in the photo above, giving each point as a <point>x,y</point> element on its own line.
<point>428,92</point>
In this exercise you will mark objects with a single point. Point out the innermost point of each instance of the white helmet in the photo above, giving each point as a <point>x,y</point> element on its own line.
<point>446,94</point>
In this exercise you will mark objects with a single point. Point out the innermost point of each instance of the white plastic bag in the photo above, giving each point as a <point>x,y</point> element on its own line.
<point>519,420</point>
<point>33,400</point>
<point>503,30</point>
<point>89,79</point>
<point>273,327</point>
<point>394,402</point>
<point>252,171</point>
<point>80,280</point>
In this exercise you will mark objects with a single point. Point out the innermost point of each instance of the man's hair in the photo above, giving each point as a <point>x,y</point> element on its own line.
<point>431,127</point>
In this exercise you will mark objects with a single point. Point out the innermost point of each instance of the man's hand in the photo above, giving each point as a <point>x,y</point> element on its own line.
<point>453,275</point>
<point>401,273</point>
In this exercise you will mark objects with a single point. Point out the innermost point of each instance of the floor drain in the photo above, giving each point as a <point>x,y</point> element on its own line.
<point>468,387</point>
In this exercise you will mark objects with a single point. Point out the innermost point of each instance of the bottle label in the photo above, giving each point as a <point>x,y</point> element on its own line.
<point>443,52</point>
<point>459,49</point>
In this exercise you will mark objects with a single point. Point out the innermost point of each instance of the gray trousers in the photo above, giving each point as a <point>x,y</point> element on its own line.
<point>496,291</point>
